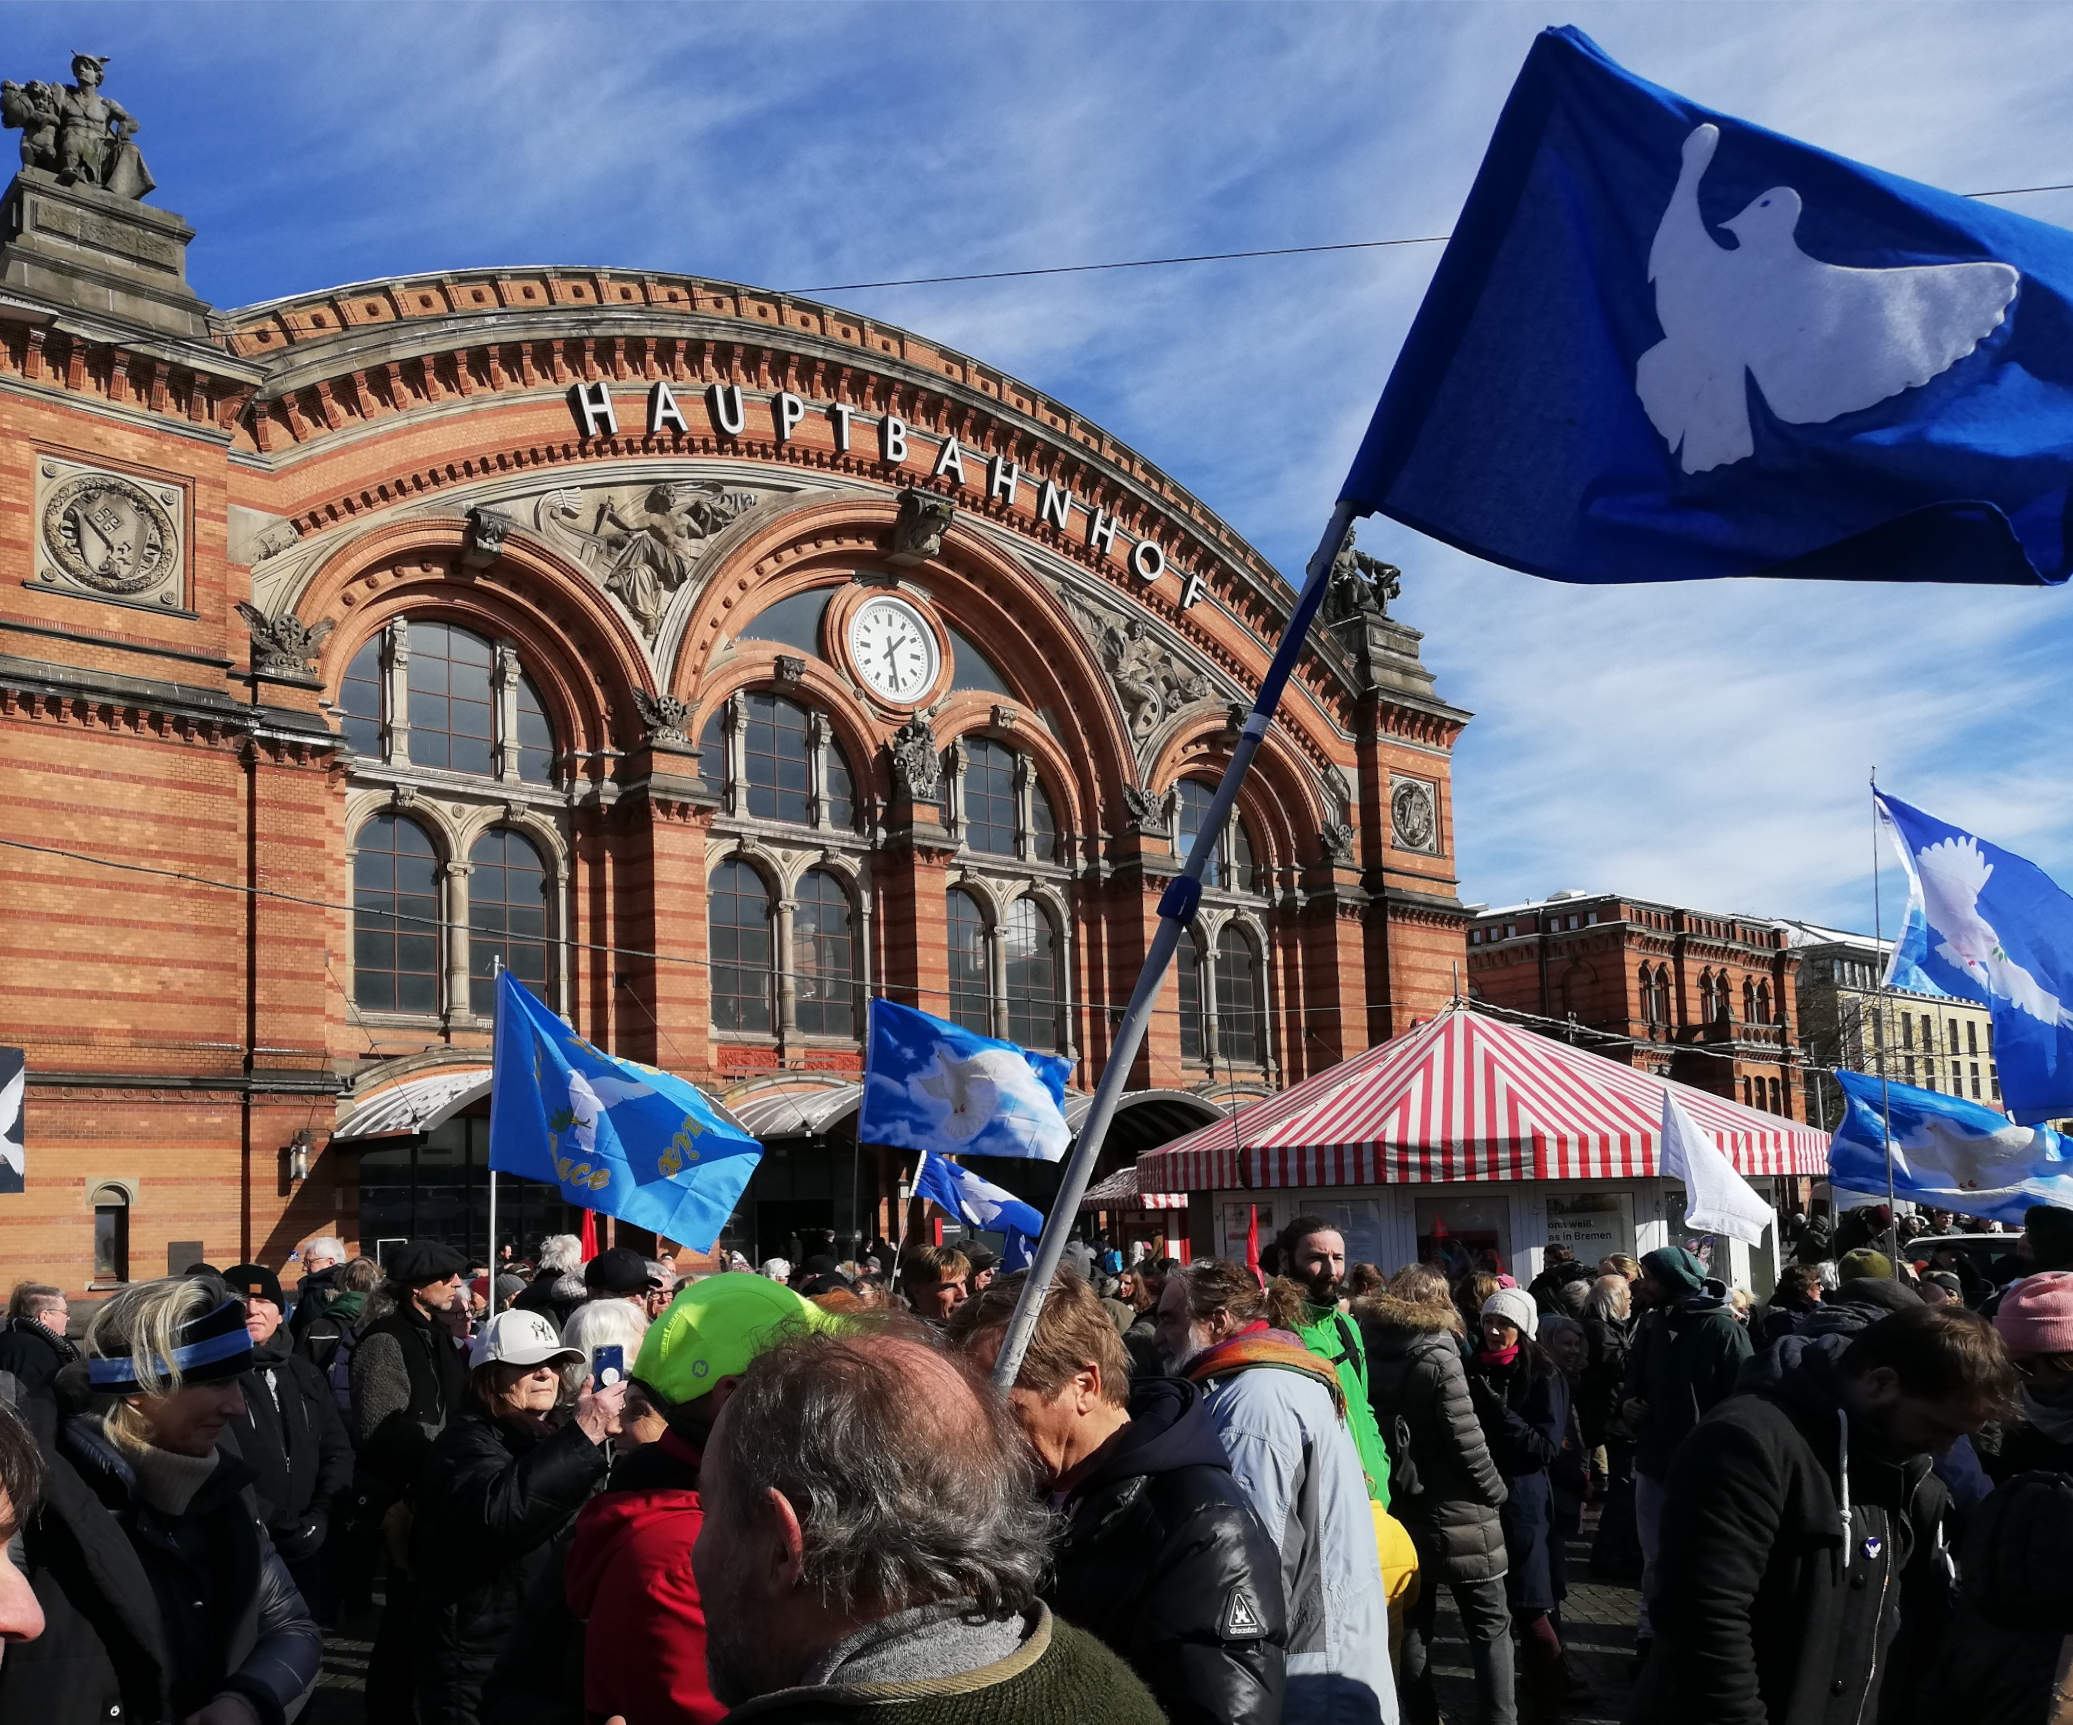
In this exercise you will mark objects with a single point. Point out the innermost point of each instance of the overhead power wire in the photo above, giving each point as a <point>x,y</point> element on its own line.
<point>1233,257</point>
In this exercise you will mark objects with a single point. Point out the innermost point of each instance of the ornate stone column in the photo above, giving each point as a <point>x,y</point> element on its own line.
<point>455,875</point>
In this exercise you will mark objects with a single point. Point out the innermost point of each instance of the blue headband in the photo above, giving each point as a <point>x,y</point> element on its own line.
<point>215,1340</point>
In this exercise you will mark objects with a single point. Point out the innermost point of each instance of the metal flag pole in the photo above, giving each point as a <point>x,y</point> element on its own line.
<point>496,972</point>
<point>1878,1019</point>
<point>1176,909</point>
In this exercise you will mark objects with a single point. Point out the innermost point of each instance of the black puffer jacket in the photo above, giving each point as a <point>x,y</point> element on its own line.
<point>1683,1362</point>
<point>1772,1607</point>
<point>1415,1374</point>
<point>31,1356</point>
<point>1606,1343</point>
<point>1164,1560</point>
<point>291,1437</point>
<point>491,1504</point>
<point>2000,1659</point>
<point>147,1616</point>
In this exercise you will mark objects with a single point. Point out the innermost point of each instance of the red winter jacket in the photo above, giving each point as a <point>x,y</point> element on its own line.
<point>629,1576</point>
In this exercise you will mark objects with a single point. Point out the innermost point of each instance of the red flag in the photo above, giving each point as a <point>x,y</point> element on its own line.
<point>1252,1244</point>
<point>589,1235</point>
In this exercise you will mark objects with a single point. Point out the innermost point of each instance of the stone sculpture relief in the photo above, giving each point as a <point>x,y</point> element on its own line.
<point>1337,838</point>
<point>918,533</point>
<point>642,542</point>
<point>75,132</point>
<point>917,766</point>
<point>1150,679</point>
<point>283,646</point>
<point>667,719</point>
<point>1360,585</point>
<point>109,535</point>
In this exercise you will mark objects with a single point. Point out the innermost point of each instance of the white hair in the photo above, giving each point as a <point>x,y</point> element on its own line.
<point>603,1323</point>
<point>324,1246</point>
<point>777,1269</point>
<point>561,1255</point>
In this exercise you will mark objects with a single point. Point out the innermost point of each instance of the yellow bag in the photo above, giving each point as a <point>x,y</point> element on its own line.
<point>1399,1559</point>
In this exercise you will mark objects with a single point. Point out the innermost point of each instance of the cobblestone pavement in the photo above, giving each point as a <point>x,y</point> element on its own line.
<point>1598,1623</point>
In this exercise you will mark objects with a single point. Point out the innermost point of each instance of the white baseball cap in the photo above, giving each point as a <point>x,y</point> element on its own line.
<point>518,1339</point>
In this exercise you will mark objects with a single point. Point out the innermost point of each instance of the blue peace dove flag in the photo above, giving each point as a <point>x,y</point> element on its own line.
<point>1664,344</point>
<point>981,1204</point>
<point>1948,1152</point>
<point>629,1140</point>
<point>1984,924</point>
<point>931,1085</point>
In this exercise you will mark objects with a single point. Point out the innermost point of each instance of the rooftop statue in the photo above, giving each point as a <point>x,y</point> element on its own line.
<point>1361,586</point>
<point>75,132</point>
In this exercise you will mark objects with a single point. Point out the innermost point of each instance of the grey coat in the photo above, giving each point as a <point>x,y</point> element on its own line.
<point>1415,1374</point>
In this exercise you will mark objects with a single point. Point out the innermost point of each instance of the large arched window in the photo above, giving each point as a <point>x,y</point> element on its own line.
<point>1231,863</point>
<point>1032,975</point>
<point>396,917</point>
<point>824,959</point>
<point>1043,824</point>
<point>433,694</point>
<point>1187,960</point>
<point>507,917</point>
<point>1749,1002</point>
<point>741,943</point>
<point>1239,1005</point>
<point>774,760</point>
<point>1763,1003</point>
<point>989,797</point>
<point>971,992</point>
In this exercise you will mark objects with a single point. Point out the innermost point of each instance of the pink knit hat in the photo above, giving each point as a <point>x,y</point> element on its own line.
<point>2036,1315</point>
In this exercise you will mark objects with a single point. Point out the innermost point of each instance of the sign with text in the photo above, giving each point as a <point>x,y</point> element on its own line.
<point>14,1086</point>
<point>1593,1225</point>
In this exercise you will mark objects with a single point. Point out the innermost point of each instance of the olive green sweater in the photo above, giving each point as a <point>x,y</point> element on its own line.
<point>1058,1676</point>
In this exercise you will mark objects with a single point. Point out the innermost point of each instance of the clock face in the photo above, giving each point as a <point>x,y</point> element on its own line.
<point>893,649</point>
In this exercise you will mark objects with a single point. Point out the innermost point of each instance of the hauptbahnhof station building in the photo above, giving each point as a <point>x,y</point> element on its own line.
<point>710,658</point>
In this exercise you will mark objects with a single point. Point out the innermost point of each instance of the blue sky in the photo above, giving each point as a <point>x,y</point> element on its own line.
<point>1706,743</point>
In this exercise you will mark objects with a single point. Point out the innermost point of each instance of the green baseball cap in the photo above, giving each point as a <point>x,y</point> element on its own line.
<point>714,1327</point>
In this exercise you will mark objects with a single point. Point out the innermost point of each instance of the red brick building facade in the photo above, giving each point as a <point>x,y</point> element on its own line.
<point>1710,1000</point>
<point>710,657</point>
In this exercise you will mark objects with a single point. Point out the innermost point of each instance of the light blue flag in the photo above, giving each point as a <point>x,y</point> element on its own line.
<point>1954,1154</point>
<point>981,1204</point>
<point>1666,344</point>
<point>1984,924</point>
<point>931,1085</point>
<point>628,1140</point>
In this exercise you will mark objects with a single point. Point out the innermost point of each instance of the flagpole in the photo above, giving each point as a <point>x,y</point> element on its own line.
<point>1176,909</point>
<point>1878,935</point>
<point>496,971</point>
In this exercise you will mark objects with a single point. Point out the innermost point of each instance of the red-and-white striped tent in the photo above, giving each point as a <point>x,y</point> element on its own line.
<point>1468,1097</point>
<point>1122,1190</point>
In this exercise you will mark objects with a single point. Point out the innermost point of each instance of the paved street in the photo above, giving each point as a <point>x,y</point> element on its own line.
<point>1599,1617</point>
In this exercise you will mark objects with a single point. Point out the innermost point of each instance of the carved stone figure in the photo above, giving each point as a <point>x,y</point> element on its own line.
<point>666,717</point>
<point>1359,585</point>
<point>917,766</point>
<point>1412,817</point>
<point>487,531</point>
<point>1147,809</point>
<point>918,533</point>
<point>1150,680</point>
<point>1338,844</point>
<point>645,546</point>
<point>283,646</point>
<point>75,132</point>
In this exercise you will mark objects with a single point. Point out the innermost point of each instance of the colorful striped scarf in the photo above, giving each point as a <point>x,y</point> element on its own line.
<point>1257,1346</point>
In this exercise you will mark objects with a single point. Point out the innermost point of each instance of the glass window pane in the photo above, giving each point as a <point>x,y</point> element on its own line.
<point>359,699</point>
<point>452,709</point>
<point>842,795</point>
<point>774,759</point>
<point>1243,878</point>
<point>1237,999</point>
<point>989,799</point>
<point>971,1002</point>
<point>1043,825</point>
<point>970,668</point>
<point>1188,963</point>
<point>1032,966</point>
<point>1193,810</point>
<point>740,928</point>
<point>712,753</point>
<point>507,916</point>
<point>395,917</point>
<point>824,957</point>
<point>793,622</point>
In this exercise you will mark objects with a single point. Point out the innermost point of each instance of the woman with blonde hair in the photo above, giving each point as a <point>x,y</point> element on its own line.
<point>1608,1333</point>
<point>161,1595</point>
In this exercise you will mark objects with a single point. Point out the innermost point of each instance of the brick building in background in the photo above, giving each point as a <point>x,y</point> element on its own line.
<point>1708,999</point>
<point>709,657</point>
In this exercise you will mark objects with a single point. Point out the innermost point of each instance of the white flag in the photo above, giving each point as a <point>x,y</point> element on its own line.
<point>1717,1200</point>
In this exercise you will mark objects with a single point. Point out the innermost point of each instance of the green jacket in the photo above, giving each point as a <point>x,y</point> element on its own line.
<point>1335,1338</point>
<point>1058,1676</point>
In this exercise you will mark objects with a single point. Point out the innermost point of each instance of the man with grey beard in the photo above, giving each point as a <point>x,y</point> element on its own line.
<point>871,1550</point>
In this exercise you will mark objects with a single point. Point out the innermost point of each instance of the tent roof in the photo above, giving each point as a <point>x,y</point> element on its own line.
<point>1469,1097</point>
<point>1121,1191</point>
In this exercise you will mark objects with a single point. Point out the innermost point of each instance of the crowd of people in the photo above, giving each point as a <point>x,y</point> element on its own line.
<point>1216,1492</point>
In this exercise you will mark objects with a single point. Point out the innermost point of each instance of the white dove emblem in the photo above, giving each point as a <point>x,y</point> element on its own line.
<point>1968,1161</point>
<point>1821,339</point>
<point>11,1098</point>
<point>970,1094</point>
<point>1953,874</point>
